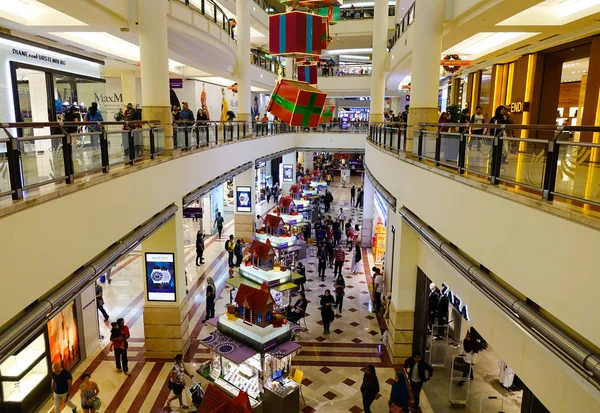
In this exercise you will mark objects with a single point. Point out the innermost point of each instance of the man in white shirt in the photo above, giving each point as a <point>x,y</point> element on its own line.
<point>377,290</point>
<point>259,222</point>
<point>476,120</point>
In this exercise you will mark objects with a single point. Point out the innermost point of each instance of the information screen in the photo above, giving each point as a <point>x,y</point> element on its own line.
<point>243,196</point>
<point>160,276</point>
<point>288,173</point>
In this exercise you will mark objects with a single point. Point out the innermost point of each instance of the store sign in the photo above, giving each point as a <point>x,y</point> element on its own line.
<point>452,62</point>
<point>455,301</point>
<point>114,98</point>
<point>38,56</point>
<point>518,107</point>
<point>243,196</point>
<point>160,276</point>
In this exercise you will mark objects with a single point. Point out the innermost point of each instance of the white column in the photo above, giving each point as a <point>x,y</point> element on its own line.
<point>287,160</point>
<point>243,225</point>
<point>309,160</point>
<point>380,23</point>
<point>242,33</point>
<point>367,224</point>
<point>128,87</point>
<point>154,58</point>
<point>425,74</point>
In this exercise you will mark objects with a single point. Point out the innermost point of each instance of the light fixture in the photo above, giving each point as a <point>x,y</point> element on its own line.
<point>366,50</point>
<point>487,42</point>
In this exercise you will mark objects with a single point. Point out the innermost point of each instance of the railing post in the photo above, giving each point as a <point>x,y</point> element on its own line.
<point>399,139</point>
<point>104,151</point>
<point>14,168</point>
<point>420,145</point>
<point>68,158</point>
<point>384,136</point>
<point>152,145</point>
<point>244,130</point>
<point>215,12</point>
<point>207,131</point>
<point>551,167</point>
<point>496,161</point>
<point>438,147</point>
<point>462,152</point>
<point>217,134</point>
<point>187,138</point>
<point>131,141</point>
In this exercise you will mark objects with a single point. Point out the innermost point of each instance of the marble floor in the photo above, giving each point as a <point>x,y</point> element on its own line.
<point>331,363</point>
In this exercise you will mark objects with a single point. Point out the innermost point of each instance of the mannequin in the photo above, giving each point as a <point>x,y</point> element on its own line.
<point>442,310</point>
<point>432,305</point>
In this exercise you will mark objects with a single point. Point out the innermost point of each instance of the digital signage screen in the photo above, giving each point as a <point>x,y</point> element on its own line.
<point>288,173</point>
<point>243,197</point>
<point>160,276</point>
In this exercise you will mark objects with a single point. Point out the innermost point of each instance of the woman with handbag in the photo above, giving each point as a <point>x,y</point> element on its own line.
<point>399,397</point>
<point>470,348</point>
<point>90,402</point>
<point>177,381</point>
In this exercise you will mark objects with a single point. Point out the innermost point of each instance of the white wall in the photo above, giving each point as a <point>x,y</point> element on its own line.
<point>113,91</point>
<point>70,230</point>
<point>549,259</point>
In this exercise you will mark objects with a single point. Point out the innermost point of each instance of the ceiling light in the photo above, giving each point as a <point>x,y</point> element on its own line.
<point>366,50</point>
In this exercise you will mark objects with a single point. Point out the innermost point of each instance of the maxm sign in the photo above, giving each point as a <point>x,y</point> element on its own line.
<point>455,301</point>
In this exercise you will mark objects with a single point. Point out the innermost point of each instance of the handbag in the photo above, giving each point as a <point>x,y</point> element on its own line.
<point>97,403</point>
<point>395,409</point>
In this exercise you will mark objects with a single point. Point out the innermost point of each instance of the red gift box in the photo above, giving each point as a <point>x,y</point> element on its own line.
<point>308,74</point>
<point>297,103</point>
<point>324,33</point>
<point>295,34</point>
<point>327,113</point>
<point>313,3</point>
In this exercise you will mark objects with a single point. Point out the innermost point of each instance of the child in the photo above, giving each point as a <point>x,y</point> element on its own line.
<point>114,333</point>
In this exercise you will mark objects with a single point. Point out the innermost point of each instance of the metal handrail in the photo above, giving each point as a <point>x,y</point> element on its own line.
<point>206,5</point>
<point>548,148</point>
<point>82,153</point>
<point>403,25</point>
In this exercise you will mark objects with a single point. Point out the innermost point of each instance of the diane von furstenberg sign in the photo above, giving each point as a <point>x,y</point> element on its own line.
<point>38,56</point>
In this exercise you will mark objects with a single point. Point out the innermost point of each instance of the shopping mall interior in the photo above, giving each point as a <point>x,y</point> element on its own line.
<point>299,206</point>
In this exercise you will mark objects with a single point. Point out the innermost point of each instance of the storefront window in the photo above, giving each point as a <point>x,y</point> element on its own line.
<point>572,93</point>
<point>484,92</point>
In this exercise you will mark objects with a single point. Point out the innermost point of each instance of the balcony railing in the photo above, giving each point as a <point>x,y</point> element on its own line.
<point>552,161</point>
<point>62,152</point>
<point>357,13</point>
<point>212,11</point>
<point>345,69</point>
<point>264,62</point>
<point>403,26</point>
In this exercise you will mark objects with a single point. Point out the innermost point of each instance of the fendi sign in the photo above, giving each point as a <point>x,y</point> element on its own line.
<point>518,107</point>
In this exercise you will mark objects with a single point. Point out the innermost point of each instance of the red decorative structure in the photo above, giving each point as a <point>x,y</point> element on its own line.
<point>287,205</point>
<point>295,34</point>
<point>255,304</point>
<point>307,73</point>
<point>327,113</point>
<point>262,254</point>
<point>297,103</point>
<point>296,191</point>
<point>217,401</point>
<point>274,225</point>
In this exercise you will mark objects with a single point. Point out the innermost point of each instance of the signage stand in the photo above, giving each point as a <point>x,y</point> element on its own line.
<point>459,394</point>
<point>491,404</point>
<point>438,346</point>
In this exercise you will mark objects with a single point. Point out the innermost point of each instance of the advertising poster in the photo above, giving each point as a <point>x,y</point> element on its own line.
<point>160,276</point>
<point>243,198</point>
<point>288,173</point>
<point>64,338</point>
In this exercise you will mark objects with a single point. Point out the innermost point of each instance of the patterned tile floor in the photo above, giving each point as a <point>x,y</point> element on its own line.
<point>331,362</point>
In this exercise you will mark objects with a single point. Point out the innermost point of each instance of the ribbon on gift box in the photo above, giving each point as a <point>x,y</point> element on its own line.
<point>295,33</point>
<point>308,74</point>
<point>305,111</point>
<point>327,113</point>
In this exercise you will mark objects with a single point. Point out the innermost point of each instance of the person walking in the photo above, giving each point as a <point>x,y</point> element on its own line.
<point>418,372</point>
<point>100,301</point>
<point>219,224</point>
<point>356,259</point>
<point>399,397</point>
<point>229,247</point>
<point>327,314</point>
<point>352,195</point>
<point>199,248</point>
<point>339,287</point>
<point>377,291</point>
<point>211,295</point>
<point>120,345</point>
<point>238,252</point>
<point>322,256</point>
<point>470,349</point>
<point>89,391</point>
<point>301,270</point>
<point>369,387</point>
<point>61,387</point>
<point>358,195</point>
<point>340,257</point>
<point>94,115</point>
<point>177,381</point>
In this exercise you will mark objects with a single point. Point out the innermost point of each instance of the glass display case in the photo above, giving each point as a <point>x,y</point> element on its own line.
<point>25,377</point>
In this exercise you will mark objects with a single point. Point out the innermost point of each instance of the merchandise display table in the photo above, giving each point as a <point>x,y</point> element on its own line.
<point>292,219</point>
<point>302,204</point>
<point>277,242</point>
<point>317,184</point>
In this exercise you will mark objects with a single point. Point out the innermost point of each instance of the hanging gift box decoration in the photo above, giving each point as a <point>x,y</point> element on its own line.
<point>306,60</point>
<point>295,34</point>
<point>297,103</point>
<point>327,114</point>
<point>308,74</point>
<point>332,14</point>
<point>324,33</point>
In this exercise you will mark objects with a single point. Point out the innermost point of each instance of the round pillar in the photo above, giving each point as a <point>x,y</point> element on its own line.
<point>242,33</point>
<point>380,26</point>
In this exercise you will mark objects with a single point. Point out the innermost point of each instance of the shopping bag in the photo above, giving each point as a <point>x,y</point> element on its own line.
<point>97,403</point>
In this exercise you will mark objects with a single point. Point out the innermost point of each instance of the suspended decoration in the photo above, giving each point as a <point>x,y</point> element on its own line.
<point>325,38</point>
<point>307,73</point>
<point>452,63</point>
<point>297,103</point>
<point>312,4</point>
<point>295,34</point>
<point>327,113</point>
<point>332,14</point>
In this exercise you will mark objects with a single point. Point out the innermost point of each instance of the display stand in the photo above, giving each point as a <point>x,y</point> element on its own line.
<point>491,404</point>
<point>459,394</point>
<point>438,348</point>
